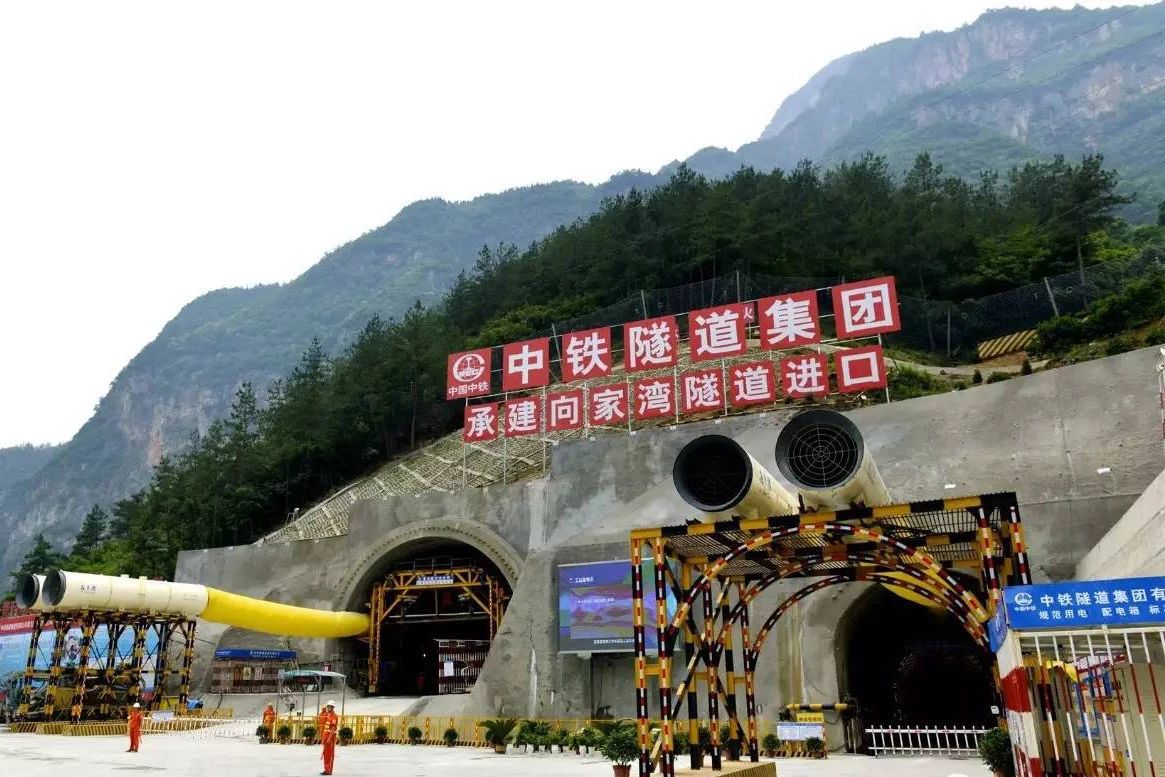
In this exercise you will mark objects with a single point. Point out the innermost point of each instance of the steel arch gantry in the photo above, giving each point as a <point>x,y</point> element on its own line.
<point>916,547</point>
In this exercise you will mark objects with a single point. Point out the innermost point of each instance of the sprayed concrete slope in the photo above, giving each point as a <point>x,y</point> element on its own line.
<point>1044,436</point>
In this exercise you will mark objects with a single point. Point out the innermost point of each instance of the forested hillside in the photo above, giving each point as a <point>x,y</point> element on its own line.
<point>332,419</point>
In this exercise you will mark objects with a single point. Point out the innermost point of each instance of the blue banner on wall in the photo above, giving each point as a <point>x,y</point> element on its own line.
<point>249,654</point>
<point>1075,603</point>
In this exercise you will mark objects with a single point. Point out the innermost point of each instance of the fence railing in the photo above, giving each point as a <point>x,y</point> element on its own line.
<point>924,740</point>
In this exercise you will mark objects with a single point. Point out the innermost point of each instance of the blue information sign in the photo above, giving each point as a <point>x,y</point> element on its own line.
<point>1074,603</point>
<point>249,654</point>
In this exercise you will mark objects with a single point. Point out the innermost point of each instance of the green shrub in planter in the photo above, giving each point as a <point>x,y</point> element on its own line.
<point>995,750</point>
<point>497,731</point>
<point>621,747</point>
<point>263,733</point>
<point>770,744</point>
<point>415,735</point>
<point>283,733</point>
<point>815,746</point>
<point>345,735</point>
<point>381,734</point>
<point>450,736</point>
<point>309,735</point>
<point>730,746</point>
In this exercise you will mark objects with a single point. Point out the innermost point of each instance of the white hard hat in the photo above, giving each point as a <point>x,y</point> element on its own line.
<point>331,703</point>
<point>136,705</point>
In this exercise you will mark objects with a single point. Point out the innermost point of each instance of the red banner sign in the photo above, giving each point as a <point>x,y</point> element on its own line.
<point>866,308</point>
<point>467,374</point>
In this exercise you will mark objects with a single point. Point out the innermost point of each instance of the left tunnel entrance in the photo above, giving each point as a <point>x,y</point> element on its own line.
<point>434,614</point>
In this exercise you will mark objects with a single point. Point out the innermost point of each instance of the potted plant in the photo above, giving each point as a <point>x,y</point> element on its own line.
<point>995,750</point>
<point>414,735</point>
<point>679,740</point>
<point>283,733</point>
<point>815,746</point>
<point>345,735</point>
<point>381,734</point>
<point>620,747</point>
<point>497,732</point>
<point>770,744</point>
<point>264,734</point>
<point>588,737</point>
<point>730,746</point>
<point>450,737</point>
<point>309,735</point>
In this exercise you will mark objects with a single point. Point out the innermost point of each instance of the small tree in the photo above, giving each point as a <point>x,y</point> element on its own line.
<point>815,746</point>
<point>497,731</point>
<point>309,735</point>
<point>283,733</point>
<point>264,734</point>
<point>345,735</point>
<point>770,744</point>
<point>995,750</point>
<point>450,736</point>
<point>977,378</point>
<point>415,735</point>
<point>381,734</point>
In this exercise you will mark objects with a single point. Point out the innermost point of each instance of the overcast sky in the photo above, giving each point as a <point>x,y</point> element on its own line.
<point>153,151</point>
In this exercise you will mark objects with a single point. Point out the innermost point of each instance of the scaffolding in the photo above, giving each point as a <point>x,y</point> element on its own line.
<point>105,676</point>
<point>715,570</point>
<point>396,594</point>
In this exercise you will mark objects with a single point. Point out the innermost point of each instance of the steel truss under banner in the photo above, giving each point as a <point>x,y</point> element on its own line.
<point>106,674</point>
<point>392,598</point>
<point>715,570</point>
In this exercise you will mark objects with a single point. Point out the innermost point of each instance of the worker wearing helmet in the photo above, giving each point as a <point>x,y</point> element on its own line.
<point>329,724</point>
<point>269,720</point>
<point>135,727</point>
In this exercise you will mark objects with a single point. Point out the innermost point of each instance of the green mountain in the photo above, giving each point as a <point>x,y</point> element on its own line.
<point>1013,85</point>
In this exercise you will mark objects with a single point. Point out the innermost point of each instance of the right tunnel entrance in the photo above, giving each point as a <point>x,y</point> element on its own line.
<point>909,664</point>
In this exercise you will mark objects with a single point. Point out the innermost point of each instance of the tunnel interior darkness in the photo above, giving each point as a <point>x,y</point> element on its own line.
<point>410,664</point>
<point>909,664</point>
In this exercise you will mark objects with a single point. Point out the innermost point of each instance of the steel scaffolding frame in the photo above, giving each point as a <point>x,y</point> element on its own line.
<point>486,591</point>
<point>929,542</point>
<point>106,671</point>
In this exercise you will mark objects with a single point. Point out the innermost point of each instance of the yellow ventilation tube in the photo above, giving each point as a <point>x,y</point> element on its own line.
<point>82,591</point>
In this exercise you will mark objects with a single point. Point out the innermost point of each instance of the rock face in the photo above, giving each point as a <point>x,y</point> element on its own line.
<point>188,375</point>
<point>1011,86</point>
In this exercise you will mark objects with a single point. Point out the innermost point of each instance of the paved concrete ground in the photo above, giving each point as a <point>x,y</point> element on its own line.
<point>29,755</point>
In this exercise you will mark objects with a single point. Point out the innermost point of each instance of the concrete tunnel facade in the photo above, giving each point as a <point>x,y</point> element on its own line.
<point>1049,437</point>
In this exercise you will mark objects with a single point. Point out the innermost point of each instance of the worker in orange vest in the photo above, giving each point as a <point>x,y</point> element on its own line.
<point>269,720</point>
<point>329,725</point>
<point>135,727</point>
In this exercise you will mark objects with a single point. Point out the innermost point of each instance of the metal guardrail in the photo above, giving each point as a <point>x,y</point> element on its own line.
<point>924,740</point>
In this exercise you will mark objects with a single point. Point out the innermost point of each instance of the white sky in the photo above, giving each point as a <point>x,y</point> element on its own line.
<point>153,151</point>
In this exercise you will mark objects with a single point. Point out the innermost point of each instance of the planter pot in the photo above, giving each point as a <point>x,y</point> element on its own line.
<point>770,753</point>
<point>500,749</point>
<point>622,770</point>
<point>557,748</point>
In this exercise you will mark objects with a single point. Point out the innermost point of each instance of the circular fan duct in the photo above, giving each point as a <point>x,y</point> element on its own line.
<point>823,454</point>
<point>715,474</point>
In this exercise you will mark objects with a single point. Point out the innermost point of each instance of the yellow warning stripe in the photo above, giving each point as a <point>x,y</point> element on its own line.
<point>1000,346</point>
